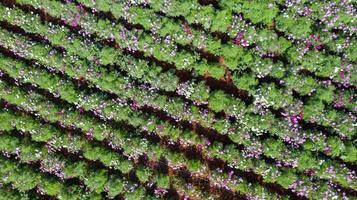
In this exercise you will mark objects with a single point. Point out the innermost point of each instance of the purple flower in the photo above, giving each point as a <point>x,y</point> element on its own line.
<point>75,21</point>
<point>239,40</point>
<point>160,191</point>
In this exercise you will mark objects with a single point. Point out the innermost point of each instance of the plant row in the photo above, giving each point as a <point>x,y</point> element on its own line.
<point>53,84</point>
<point>133,146</point>
<point>74,145</point>
<point>140,16</point>
<point>9,193</point>
<point>263,17</point>
<point>23,177</point>
<point>225,139</point>
<point>54,141</point>
<point>330,142</point>
<point>274,96</point>
<point>269,143</point>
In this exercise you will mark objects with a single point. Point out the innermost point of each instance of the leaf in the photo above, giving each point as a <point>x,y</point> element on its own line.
<point>233,55</point>
<point>96,179</point>
<point>163,181</point>
<point>143,174</point>
<point>247,81</point>
<point>218,101</point>
<point>350,154</point>
<point>141,17</point>
<point>103,6</point>
<point>351,52</point>
<point>108,55</point>
<point>306,160</point>
<point>222,21</point>
<point>200,92</point>
<point>325,94</point>
<point>194,165</point>
<point>137,194</point>
<point>204,15</point>
<point>273,96</point>
<point>75,169</point>
<point>300,27</point>
<point>5,122</point>
<point>313,108</point>
<point>51,186</point>
<point>125,166</point>
<point>114,186</point>
<point>286,179</point>
<point>337,146</point>
<point>260,11</point>
<point>216,71</point>
<point>214,46</point>
<point>44,134</point>
<point>273,148</point>
<point>25,179</point>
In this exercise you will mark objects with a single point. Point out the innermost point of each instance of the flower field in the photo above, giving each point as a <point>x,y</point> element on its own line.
<point>178,99</point>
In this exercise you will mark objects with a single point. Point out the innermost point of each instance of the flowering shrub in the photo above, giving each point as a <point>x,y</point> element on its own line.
<point>178,99</point>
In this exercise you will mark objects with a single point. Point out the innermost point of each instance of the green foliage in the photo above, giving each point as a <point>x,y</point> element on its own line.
<point>137,194</point>
<point>108,55</point>
<point>204,15</point>
<point>298,27</point>
<point>322,65</point>
<point>286,179</point>
<point>221,21</point>
<point>273,96</point>
<point>325,94</point>
<point>104,5</point>
<point>5,122</point>
<point>246,81</point>
<point>350,155</point>
<point>162,180</point>
<point>218,101</point>
<point>232,56</point>
<point>114,186</point>
<point>336,145</point>
<point>214,46</point>
<point>305,85</point>
<point>125,166</point>
<point>300,71</point>
<point>273,148</point>
<point>313,109</point>
<point>194,165</point>
<point>25,179</point>
<point>260,11</point>
<point>306,161</point>
<point>143,174</point>
<point>216,71</point>
<point>201,92</point>
<point>352,52</point>
<point>75,169</point>
<point>221,125</point>
<point>95,180</point>
<point>7,193</point>
<point>51,186</point>
<point>9,143</point>
<point>168,28</point>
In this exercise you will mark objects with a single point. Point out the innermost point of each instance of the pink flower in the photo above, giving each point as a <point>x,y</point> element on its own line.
<point>318,47</point>
<point>160,191</point>
<point>75,21</point>
<point>81,110</point>
<point>308,45</point>
<point>239,39</point>
<point>342,74</point>
<point>200,147</point>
